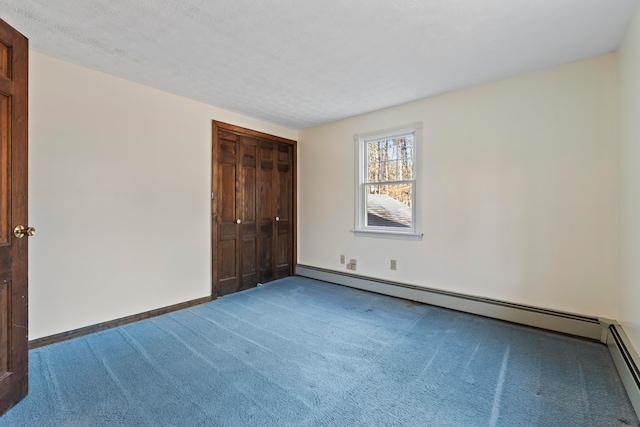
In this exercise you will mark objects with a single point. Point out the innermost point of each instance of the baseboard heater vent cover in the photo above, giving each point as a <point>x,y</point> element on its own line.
<point>627,362</point>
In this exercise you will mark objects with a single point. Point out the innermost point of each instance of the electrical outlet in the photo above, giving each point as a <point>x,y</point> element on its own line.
<point>352,262</point>
<point>394,264</point>
<point>341,259</point>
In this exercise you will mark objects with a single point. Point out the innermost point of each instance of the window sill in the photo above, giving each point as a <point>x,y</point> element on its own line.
<point>388,234</point>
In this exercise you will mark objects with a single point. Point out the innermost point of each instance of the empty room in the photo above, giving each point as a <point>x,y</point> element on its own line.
<point>338,213</point>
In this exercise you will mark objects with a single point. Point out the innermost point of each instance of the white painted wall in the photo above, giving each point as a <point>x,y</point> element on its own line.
<point>120,195</point>
<point>629,177</point>
<point>519,191</point>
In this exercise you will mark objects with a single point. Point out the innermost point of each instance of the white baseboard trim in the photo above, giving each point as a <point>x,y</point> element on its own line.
<point>568,323</point>
<point>627,362</point>
<point>607,331</point>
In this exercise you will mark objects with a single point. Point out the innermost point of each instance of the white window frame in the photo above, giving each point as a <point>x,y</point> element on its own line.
<point>361,227</point>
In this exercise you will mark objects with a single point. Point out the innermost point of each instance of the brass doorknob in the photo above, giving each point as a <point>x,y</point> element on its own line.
<point>20,231</point>
<point>277,218</point>
<point>238,221</point>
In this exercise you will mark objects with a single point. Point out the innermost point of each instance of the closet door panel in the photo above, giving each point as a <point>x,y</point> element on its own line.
<point>248,219</point>
<point>266,211</point>
<point>284,235</point>
<point>227,265</point>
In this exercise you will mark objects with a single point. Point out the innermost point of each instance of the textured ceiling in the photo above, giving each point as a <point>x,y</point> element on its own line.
<point>302,63</point>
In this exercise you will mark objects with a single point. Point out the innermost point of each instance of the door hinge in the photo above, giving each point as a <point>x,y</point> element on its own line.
<point>212,195</point>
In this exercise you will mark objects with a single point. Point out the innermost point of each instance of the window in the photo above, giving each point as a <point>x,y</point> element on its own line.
<point>387,194</point>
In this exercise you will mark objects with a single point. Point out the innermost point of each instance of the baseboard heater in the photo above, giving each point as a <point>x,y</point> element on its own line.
<point>627,363</point>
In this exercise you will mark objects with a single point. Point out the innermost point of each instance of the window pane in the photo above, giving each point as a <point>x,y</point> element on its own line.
<point>389,205</point>
<point>390,159</point>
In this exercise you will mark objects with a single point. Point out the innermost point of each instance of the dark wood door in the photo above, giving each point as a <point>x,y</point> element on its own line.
<point>253,237</point>
<point>248,214</point>
<point>14,53</point>
<point>226,271</point>
<point>267,211</point>
<point>284,212</point>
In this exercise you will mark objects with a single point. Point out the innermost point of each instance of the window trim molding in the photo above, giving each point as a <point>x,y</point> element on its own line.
<point>415,233</point>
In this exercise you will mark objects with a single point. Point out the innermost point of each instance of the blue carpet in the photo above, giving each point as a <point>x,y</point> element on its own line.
<point>299,352</point>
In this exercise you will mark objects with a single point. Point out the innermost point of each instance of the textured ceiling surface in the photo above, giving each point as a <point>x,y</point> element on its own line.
<point>302,63</point>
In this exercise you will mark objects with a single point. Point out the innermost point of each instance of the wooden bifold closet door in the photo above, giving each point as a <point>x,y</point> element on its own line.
<point>253,208</point>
